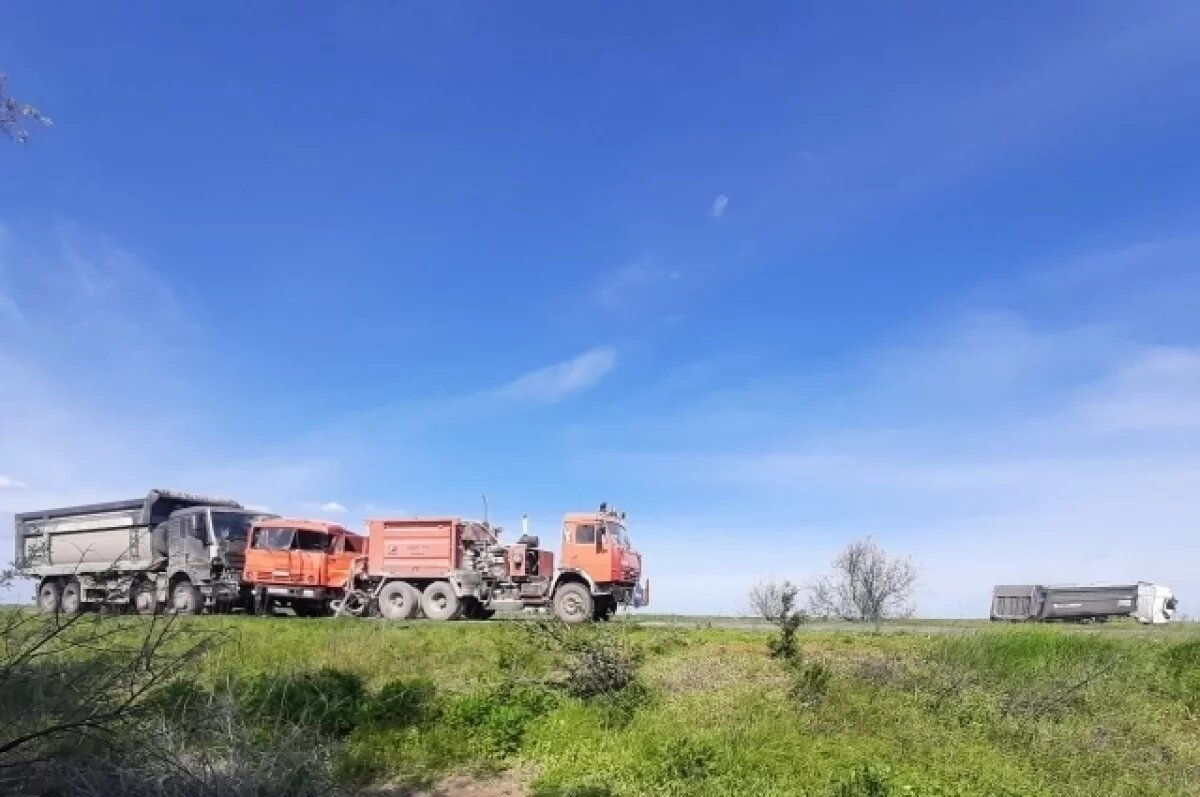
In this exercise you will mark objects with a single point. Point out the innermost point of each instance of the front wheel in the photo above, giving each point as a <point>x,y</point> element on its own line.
<point>185,598</point>
<point>573,603</point>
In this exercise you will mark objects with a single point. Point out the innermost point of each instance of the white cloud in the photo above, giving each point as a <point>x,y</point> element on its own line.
<point>628,284</point>
<point>8,483</point>
<point>555,382</point>
<point>719,206</point>
<point>333,507</point>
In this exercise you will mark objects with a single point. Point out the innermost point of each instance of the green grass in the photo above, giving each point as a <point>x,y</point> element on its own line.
<point>987,710</point>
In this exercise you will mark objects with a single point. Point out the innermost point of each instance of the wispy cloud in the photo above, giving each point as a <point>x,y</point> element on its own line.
<point>7,483</point>
<point>333,507</point>
<point>627,285</point>
<point>556,382</point>
<point>719,206</point>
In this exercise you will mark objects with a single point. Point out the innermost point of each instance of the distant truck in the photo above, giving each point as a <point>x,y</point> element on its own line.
<point>445,568</point>
<point>1147,603</point>
<point>169,548</point>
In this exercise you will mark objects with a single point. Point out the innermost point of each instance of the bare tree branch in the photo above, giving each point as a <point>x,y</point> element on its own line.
<point>867,584</point>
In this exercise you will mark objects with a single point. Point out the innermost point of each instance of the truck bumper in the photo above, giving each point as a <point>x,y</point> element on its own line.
<point>299,593</point>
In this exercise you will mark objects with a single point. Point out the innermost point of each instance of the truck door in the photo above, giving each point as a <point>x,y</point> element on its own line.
<point>584,549</point>
<point>346,548</point>
<point>310,557</point>
<point>269,559</point>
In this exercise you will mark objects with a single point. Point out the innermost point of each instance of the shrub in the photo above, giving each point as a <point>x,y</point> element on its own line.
<point>867,781</point>
<point>497,718</point>
<point>810,682</point>
<point>402,703</point>
<point>687,759</point>
<point>327,700</point>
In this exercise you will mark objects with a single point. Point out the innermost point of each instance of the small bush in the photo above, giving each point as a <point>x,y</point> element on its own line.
<point>497,718</point>
<point>810,682</point>
<point>402,703</point>
<point>867,781</point>
<point>687,759</point>
<point>328,700</point>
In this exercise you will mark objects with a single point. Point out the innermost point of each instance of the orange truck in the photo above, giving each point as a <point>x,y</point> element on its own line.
<point>445,568</point>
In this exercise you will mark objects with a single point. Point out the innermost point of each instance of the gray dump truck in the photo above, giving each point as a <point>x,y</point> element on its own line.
<point>169,549</point>
<point>1145,602</point>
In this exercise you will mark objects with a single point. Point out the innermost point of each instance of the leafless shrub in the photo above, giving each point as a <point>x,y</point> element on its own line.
<point>80,681</point>
<point>217,753</point>
<point>867,584</point>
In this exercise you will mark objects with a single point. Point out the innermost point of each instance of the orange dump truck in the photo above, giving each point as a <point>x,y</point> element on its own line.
<point>449,568</point>
<point>300,564</point>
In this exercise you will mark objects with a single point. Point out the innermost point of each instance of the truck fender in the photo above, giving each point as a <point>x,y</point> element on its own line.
<point>571,574</point>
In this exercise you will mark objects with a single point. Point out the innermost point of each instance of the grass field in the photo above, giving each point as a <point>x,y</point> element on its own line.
<point>688,709</point>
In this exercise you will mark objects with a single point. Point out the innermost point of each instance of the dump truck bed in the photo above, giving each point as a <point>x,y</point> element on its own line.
<point>92,538</point>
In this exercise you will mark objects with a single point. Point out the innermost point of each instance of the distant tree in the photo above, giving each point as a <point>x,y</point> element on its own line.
<point>14,115</point>
<point>775,602</point>
<point>867,584</point>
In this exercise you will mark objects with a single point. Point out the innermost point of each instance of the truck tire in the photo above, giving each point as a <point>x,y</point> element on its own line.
<point>144,600</point>
<point>573,603</point>
<point>185,598</point>
<point>440,603</point>
<point>399,600</point>
<point>49,598</point>
<point>72,598</point>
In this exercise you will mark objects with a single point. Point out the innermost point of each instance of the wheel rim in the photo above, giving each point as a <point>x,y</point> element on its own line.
<point>572,605</point>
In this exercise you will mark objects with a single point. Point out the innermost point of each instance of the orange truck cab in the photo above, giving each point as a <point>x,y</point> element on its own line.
<point>597,554</point>
<point>300,564</point>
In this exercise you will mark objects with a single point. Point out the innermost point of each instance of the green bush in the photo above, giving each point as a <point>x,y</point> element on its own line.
<point>327,700</point>
<point>686,759</point>
<point>402,703</point>
<point>867,781</point>
<point>497,718</point>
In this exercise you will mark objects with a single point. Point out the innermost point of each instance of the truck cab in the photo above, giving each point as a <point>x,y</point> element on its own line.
<point>300,564</point>
<point>597,554</point>
<point>205,549</point>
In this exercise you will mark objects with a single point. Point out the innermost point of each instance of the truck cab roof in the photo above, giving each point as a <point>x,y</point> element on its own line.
<point>319,526</point>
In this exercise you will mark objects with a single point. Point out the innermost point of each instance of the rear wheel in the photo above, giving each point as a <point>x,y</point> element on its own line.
<point>440,603</point>
<point>399,600</point>
<point>72,598</point>
<point>49,599</point>
<point>573,603</point>
<point>185,598</point>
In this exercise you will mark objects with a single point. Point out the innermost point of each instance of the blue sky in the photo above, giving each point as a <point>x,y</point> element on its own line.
<point>770,277</point>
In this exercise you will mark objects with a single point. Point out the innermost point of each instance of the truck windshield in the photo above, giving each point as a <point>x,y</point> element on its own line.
<point>616,533</point>
<point>232,526</point>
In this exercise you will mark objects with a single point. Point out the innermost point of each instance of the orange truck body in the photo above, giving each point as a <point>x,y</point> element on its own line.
<point>448,568</point>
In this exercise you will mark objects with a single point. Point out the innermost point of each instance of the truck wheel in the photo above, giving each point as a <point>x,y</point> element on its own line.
<point>185,598</point>
<point>144,599</point>
<point>72,598</point>
<point>440,603</point>
<point>573,603</point>
<point>49,598</point>
<point>399,600</point>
